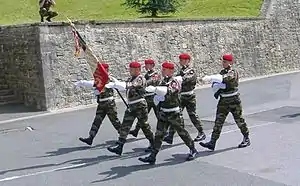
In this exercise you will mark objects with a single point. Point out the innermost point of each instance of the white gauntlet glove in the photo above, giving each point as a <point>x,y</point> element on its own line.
<point>214,78</point>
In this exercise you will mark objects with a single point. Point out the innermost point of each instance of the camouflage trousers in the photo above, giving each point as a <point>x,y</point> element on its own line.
<point>234,106</point>
<point>151,105</point>
<point>189,102</point>
<point>105,108</point>
<point>139,111</point>
<point>175,120</point>
<point>47,13</point>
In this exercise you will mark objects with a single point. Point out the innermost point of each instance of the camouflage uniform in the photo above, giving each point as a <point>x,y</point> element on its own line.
<point>188,101</point>
<point>135,91</point>
<point>229,102</point>
<point>106,106</point>
<point>45,11</point>
<point>152,78</point>
<point>170,115</point>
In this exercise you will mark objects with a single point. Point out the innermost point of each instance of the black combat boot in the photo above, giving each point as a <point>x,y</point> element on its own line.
<point>134,132</point>
<point>210,145</point>
<point>192,154</point>
<point>88,140</point>
<point>150,148</point>
<point>49,19</point>
<point>151,159</point>
<point>201,136</point>
<point>42,19</point>
<point>117,150</point>
<point>245,142</point>
<point>168,139</point>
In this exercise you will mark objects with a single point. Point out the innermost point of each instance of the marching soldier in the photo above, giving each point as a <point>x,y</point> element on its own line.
<point>169,112</point>
<point>152,78</point>
<point>135,90</point>
<point>225,86</point>
<point>45,11</point>
<point>106,106</point>
<point>187,98</point>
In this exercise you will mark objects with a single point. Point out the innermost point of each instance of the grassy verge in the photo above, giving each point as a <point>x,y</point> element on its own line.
<point>26,11</point>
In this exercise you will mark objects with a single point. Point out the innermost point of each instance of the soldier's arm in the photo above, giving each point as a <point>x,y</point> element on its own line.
<point>189,77</point>
<point>154,80</point>
<point>140,82</point>
<point>229,77</point>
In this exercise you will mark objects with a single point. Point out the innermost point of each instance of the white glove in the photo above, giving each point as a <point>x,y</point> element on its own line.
<point>158,99</point>
<point>150,88</point>
<point>110,85</point>
<point>179,79</point>
<point>206,78</point>
<point>121,86</point>
<point>214,78</point>
<point>161,90</point>
<point>96,92</point>
<point>216,86</point>
<point>113,79</point>
<point>84,83</point>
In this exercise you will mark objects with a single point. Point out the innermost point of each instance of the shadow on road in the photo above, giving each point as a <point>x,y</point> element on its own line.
<point>62,151</point>
<point>122,171</point>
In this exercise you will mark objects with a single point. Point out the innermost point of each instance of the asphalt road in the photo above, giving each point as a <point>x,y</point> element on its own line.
<point>51,154</point>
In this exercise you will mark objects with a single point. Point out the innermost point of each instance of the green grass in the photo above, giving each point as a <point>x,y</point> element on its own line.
<point>26,11</point>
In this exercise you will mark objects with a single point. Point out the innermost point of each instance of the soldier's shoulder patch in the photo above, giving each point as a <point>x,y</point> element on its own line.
<point>174,85</point>
<point>155,77</point>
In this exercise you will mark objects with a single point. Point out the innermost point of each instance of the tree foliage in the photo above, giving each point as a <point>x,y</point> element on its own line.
<point>153,7</point>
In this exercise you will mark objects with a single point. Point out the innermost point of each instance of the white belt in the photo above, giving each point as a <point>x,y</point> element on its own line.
<point>229,95</point>
<point>170,109</point>
<point>187,93</point>
<point>106,99</point>
<point>136,101</point>
<point>149,94</point>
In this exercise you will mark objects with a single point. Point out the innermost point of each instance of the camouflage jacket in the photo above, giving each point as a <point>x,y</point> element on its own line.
<point>46,3</point>
<point>189,79</point>
<point>152,78</point>
<point>135,87</point>
<point>172,97</point>
<point>106,92</point>
<point>231,79</point>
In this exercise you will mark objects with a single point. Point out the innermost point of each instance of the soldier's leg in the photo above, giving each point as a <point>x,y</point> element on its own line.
<point>100,115</point>
<point>222,112</point>
<point>237,111</point>
<point>135,131</point>
<point>191,110</point>
<point>142,115</point>
<point>169,137</point>
<point>128,119</point>
<point>43,13</point>
<point>113,115</point>
<point>161,129</point>
<point>51,14</point>
<point>178,125</point>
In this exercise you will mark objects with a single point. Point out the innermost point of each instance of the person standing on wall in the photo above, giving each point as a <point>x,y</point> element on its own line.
<point>45,11</point>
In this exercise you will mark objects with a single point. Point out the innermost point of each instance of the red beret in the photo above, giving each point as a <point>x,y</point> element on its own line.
<point>134,64</point>
<point>149,61</point>
<point>228,57</point>
<point>105,65</point>
<point>184,56</point>
<point>168,65</point>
